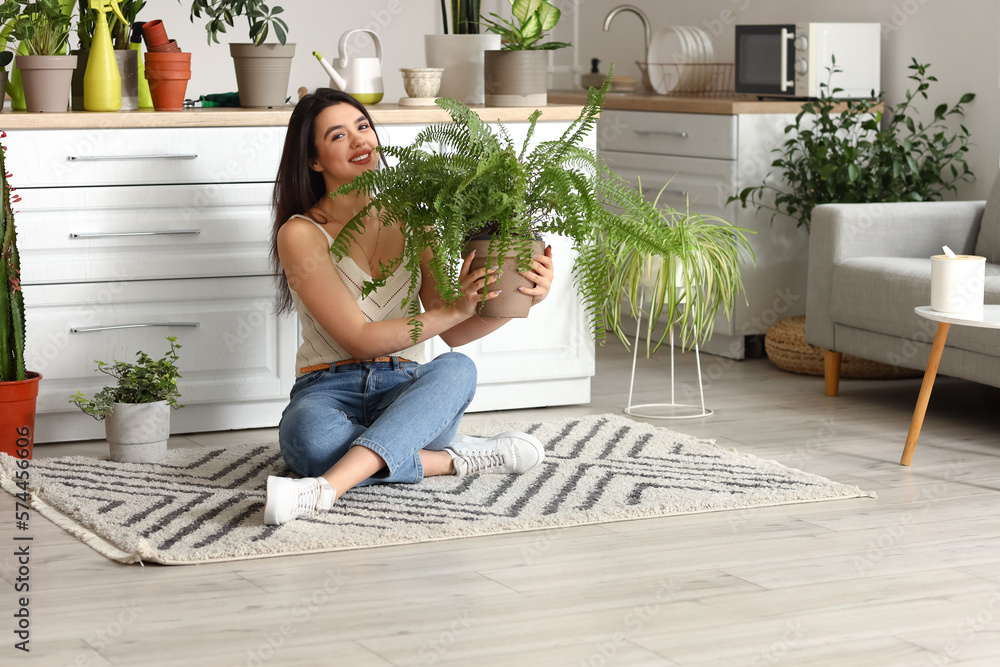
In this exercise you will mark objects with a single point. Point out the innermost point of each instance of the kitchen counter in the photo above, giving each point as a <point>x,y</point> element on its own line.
<point>731,105</point>
<point>387,114</point>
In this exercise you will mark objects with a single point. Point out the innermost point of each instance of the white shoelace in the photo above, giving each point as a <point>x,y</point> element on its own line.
<point>477,461</point>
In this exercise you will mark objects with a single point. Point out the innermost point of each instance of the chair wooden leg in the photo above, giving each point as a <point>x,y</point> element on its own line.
<point>925,393</point>
<point>831,371</point>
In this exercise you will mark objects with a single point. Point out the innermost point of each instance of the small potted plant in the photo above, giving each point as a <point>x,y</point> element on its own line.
<point>43,28</point>
<point>262,69</point>
<point>136,410</point>
<point>517,74</point>
<point>18,387</point>
<point>481,185</point>
<point>460,51</point>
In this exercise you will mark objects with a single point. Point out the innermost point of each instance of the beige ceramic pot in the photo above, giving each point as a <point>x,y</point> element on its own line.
<point>262,73</point>
<point>511,302</point>
<point>516,78</point>
<point>46,82</point>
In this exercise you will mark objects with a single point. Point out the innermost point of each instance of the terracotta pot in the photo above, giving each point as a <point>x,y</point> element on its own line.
<point>138,432</point>
<point>154,57</point>
<point>167,88</point>
<point>154,33</point>
<point>169,47</point>
<point>511,302</point>
<point>516,78</point>
<point>17,414</point>
<point>46,81</point>
<point>262,73</point>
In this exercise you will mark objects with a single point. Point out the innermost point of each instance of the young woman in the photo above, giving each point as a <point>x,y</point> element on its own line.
<point>365,409</point>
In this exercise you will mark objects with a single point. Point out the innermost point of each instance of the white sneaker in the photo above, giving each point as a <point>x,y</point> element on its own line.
<point>510,452</point>
<point>289,499</point>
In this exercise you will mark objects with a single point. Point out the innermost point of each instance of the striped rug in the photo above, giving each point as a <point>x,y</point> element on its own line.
<point>205,505</point>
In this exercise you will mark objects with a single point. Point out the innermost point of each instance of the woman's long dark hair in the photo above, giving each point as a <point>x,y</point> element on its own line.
<point>297,188</point>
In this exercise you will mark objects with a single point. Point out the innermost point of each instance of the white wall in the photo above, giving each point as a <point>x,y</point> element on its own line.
<point>959,38</point>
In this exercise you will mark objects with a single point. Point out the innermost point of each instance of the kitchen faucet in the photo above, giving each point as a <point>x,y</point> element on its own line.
<point>638,12</point>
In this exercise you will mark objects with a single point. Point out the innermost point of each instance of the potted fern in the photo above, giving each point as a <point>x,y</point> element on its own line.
<point>18,387</point>
<point>262,69</point>
<point>136,409</point>
<point>461,51</point>
<point>480,183</point>
<point>517,74</point>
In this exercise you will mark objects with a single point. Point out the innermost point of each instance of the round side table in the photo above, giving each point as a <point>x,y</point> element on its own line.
<point>988,319</point>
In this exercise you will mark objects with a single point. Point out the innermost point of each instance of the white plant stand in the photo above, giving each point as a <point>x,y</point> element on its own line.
<point>673,409</point>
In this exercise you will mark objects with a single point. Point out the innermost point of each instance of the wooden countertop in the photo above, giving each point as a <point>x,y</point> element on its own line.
<point>729,106</point>
<point>388,114</point>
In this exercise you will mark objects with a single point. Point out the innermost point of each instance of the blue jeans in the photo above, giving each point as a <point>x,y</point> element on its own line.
<point>393,408</point>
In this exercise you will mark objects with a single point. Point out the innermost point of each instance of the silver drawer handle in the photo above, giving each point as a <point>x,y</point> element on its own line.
<point>134,326</point>
<point>164,156</point>
<point>667,133</point>
<point>667,191</point>
<point>98,235</point>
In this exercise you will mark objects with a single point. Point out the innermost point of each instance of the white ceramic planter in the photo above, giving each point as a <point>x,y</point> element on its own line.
<point>138,432</point>
<point>461,56</point>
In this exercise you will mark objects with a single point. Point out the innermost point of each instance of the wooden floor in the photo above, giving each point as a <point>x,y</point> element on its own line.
<point>910,578</point>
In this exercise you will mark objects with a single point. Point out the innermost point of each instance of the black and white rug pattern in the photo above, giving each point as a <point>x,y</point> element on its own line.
<point>206,504</point>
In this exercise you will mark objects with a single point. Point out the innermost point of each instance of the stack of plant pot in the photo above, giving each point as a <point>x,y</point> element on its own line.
<point>168,69</point>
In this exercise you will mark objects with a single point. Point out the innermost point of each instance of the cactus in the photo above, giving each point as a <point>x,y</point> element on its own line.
<point>11,298</point>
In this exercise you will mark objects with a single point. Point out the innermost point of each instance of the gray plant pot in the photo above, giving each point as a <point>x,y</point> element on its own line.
<point>262,73</point>
<point>138,432</point>
<point>516,78</point>
<point>46,81</point>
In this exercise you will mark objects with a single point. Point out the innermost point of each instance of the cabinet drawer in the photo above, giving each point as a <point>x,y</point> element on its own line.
<point>47,158</point>
<point>148,233</point>
<point>704,184</point>
<point>232,342</point>
<point>688,134</point>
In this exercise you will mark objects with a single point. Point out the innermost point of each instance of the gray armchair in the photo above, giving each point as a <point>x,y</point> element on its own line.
<point>869,267</point>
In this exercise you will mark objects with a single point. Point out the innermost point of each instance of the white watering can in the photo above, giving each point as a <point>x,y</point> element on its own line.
<point>360,77</point>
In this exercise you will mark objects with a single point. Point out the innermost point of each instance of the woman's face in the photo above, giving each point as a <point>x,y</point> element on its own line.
<point>344,142</point>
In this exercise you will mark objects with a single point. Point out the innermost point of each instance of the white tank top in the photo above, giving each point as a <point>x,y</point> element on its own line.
<point>385,303</point>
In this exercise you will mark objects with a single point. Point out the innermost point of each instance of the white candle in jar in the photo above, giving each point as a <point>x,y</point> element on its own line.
<point>957,283</point>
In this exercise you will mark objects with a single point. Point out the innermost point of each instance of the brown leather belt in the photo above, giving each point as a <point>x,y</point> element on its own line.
<point>344,362</point>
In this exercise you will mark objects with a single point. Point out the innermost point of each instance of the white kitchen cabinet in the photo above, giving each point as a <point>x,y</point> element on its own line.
<point>704,159</point>
<point>128,235</point>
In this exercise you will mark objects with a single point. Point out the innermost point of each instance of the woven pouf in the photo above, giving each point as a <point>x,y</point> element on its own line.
<point>787,349</point>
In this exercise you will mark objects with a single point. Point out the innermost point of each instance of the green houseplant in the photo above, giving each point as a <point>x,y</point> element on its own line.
<point>43,72</point>
<point>858,154</point>
<point>516,75</point>
<point>136,409</point>
<point>481,183</point>
<point>262,69</point>
<point>18,386</point>
<point>464,16</point>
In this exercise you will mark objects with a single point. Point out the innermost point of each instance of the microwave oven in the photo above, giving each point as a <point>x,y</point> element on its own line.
<point>792,60</point>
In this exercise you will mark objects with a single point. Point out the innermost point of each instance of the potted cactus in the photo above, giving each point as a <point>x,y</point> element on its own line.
<point>18,387</point>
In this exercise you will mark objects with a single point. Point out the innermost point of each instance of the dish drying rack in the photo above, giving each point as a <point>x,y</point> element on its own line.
<point>688,79</point>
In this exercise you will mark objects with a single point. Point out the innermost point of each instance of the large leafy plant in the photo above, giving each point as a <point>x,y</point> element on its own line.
<point>476,181</point>
<point>11,298</point>
<point>221,13</point>
<point>849,152</point>
<point>146,381</point>
<point>531,20</point>
<point>43,26</point>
